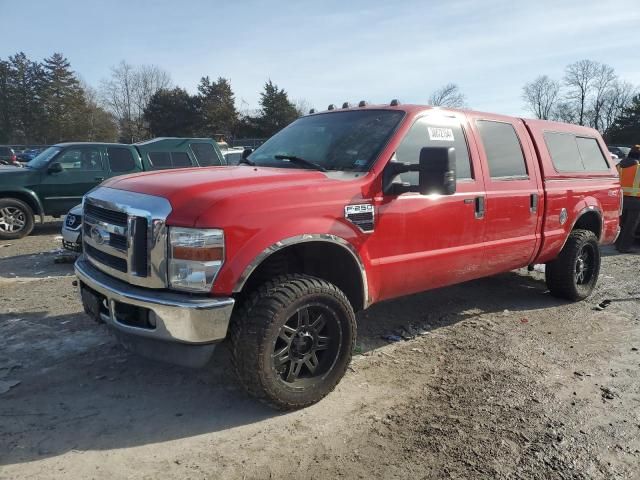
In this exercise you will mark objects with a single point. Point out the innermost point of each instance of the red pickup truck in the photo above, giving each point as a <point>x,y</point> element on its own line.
<point>339,210</point>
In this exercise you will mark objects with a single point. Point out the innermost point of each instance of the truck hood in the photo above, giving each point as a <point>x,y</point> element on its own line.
<point>14,176</point>
<point>194,191</point>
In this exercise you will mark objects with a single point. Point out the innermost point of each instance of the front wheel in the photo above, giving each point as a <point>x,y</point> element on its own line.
<point>574,273</point>
<point>16,219</point>
<point>292,339</point>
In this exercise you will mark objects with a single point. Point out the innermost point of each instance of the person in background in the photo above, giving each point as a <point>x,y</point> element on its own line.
<point>629,170</point>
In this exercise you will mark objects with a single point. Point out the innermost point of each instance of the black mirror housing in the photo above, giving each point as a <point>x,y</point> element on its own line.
<point>246,152</point>
<point>438,170</point>
<point>55,167</point>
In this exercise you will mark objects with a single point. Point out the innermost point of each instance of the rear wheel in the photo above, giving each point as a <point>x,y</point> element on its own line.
<point>574,274</point>
<point>16,219</point>
<point>292,340</point>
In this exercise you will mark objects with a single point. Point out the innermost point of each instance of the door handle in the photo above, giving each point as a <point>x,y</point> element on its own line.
<point>533,202</point>
<point>479,204</point>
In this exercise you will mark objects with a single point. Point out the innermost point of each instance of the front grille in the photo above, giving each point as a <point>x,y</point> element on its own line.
<point>109,216</point>
<point>111,261</point>
<point>118,241</point>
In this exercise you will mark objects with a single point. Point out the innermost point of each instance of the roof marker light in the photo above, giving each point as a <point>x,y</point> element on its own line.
<point>313,110</point>
<point>345,105</point>
<point>362,103</point>
<point>331,107</point>
<point>395,102</point>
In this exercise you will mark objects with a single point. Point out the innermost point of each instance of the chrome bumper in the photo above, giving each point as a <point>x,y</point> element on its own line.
<point>173,317</point>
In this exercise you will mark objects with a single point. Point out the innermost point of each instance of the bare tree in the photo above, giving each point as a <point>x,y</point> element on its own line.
<point>448,95</point>
<point>127,93</point>
<point>616,100</point>
<point>579,79</point>
<point>541,96</point>
<point>604,81</point>
<point>302,106</point>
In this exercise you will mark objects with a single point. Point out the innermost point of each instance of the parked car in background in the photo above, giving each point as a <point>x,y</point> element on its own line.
<point>156,154</point>
<point>338,211</point>
<point>233,155</point>
<point>56,179</point>
<point>8,156</point>
<point>619,151</point>
<point>28,155</point>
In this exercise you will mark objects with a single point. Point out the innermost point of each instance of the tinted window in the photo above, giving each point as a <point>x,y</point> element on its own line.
<point>564,152</point>
<point>120,160</point>
<point>503,150</point>
<point>205,154</point>
<point>426,132</point>
<point>80,159</point>
<point>592,157</point>
<point>160,160</point>
<point>180,159</point>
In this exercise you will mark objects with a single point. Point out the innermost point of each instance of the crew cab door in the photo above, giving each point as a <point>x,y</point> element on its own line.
<point>427,241</point>
<point>515,197</point>
<point>82,169</point>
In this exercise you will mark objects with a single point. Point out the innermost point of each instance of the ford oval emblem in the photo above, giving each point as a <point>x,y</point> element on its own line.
<point>99,235</point>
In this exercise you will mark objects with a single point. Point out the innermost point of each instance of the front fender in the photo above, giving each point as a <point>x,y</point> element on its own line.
<point>29,195</point>
<point>246,256</point>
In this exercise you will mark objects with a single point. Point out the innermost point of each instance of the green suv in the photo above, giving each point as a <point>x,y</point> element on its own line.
<point>55,180</point>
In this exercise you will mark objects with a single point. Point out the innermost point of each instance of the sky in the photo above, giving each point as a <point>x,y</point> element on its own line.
<point>335,51</point>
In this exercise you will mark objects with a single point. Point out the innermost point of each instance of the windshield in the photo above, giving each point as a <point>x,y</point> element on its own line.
<point>42,159</point>
<point>335,141</point>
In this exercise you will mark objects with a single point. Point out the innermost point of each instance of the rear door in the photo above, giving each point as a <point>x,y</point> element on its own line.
<point>82,169</point>
<point>514,193</point>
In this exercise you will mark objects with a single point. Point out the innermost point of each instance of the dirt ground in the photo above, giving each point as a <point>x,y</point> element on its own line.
<point>492,379</point>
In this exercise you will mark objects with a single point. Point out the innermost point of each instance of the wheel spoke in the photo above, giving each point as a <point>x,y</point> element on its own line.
<point>281,356</point>
<point>303,317</point>
<point>287,333</point>
<point>294,370</point>
<point>322,343</point>
<point>319,323</point>
<point>312,363</point>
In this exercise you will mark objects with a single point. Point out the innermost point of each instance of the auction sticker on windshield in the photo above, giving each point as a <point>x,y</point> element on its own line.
<point>441,134</point>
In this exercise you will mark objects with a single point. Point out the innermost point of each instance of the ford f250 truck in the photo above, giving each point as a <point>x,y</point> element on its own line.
<point>339,210</point>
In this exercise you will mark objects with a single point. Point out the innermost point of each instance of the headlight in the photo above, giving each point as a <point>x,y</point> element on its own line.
<point>195,258</point>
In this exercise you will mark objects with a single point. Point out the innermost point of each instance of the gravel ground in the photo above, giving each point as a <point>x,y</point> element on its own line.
<point>492,379</point>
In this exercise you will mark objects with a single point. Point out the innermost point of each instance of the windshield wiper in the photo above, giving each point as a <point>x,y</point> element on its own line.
<point>301,161</point>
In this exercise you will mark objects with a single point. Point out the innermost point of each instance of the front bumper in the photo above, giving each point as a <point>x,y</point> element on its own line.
<point>175,327</point>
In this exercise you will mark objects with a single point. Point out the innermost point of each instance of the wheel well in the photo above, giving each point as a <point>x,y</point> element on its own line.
<point>25,198</point>
<point>590,221</point>
<point>325,260</point>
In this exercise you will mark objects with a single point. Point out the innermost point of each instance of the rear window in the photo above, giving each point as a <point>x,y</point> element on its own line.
<point>120,160</point>
<point>574,154</point>
<point>6,151</point>
<point>504,153</point>
<point>205,154</point>
<point>165,160</point>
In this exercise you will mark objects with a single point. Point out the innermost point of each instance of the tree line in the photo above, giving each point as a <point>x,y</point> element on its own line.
<point>591,94</point>
<point>46,102</point>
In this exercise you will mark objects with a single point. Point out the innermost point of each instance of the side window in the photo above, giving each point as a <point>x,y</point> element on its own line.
<point>426,132</point>
<point>180,160</point>
<point>564,152</point>
<point>120,160</point>
<point>592,156</point>
<point>81,159</point>
<point>160,160</point>
<point>205,154</point>
<point>503,149</point>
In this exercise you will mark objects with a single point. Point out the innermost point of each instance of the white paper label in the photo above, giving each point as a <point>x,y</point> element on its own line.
<point>441,134</point>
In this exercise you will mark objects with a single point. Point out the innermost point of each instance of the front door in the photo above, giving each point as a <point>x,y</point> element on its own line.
<point>82,169</point>
<point>427,241</point>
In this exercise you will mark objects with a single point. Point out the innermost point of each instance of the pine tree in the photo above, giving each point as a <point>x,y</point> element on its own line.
<point>27,84</point>
<point>626,128</point>
<point>64,101</point>
<point>219,115</point>
<point>277,111</point>
<point>6,124</point>
<point>172,113</point>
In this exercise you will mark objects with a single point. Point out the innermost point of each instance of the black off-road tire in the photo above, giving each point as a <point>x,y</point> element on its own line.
<point>562,274</point>
<point>256,329</point>
<point>15,205</point>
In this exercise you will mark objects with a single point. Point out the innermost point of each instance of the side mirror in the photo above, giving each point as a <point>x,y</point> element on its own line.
<point>438,170</point>
<point>436,173</point>
<point>246,152</point>
<point>55,167</point>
